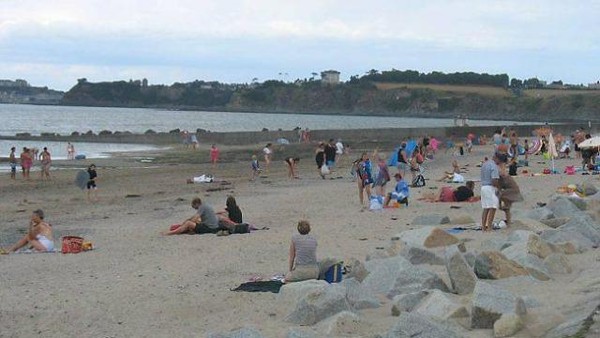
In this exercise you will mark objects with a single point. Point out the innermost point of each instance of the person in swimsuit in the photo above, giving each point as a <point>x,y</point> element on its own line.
<point>46,160</point>
<point>12,160</point>
<point>255,168</point>
<point>70,151</point>
<point>26,162</point>
<point>268,153</point>
<point>364,177</point>
<point>39,236</point>
<point>383,175</point>
<point>292,163</point>
<point>214,155</point>
<point>92,189</point>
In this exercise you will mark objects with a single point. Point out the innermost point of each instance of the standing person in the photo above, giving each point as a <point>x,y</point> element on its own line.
<point>268,154</point>
<point>364,178</point>
<point>292,163</point>
<point>214,155</point>
<point>339,150</point>
<point>489,185</point>
<point>526,147</point>
<point>92,189</point>
<point>39,235</point>
<point>320,158</point>
<point>509,192</point>
<point>12,160</point>
<point>255,168</point>
<point>194,140</point>
<point>330,150</point>
<point>70,151</point>
<point>306,135</point>
<point>26,162</point>
<point>383,175</point>
<point>302,260</point>
<point>46,160</point>
<point>402,159</point>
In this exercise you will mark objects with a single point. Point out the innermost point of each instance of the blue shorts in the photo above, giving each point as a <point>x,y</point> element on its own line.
<point>13,167</point>
<point>330,164</point>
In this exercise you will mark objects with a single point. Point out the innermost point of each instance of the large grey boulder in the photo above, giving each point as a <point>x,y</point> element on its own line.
<point>562,207</point>
<point>421,255</point>
<point>431,219</point>
<point>358,296</point>
<point>556,222</point>
<point>292,292</point>
<point>538,214</point>
<point>319,304</point>
<point>494,265</point>
<point>534,265</point>
<point>519,236</point>
<point>344,323</point>
<point>568,328</point>
<point>556,236</point>
<point>558,264</point>
<point>414,325</point>
<point>296,332</point>
<point>529,224</point>
<point>462,277</point>
<point>428,237</point>
<point>495,244</point>
<point>408,301</point>
<point>490,302</point>
<point>508,325</point>
<point>584,225</point>
<point>441,306</point>
<point>396,275</point>
<point>240,333</point>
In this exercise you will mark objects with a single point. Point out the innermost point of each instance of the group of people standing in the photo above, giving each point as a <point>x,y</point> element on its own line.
<point>26,159</point>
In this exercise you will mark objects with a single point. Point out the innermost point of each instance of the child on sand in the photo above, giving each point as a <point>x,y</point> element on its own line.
<point>255,168</point>
<point>214,155</point>
<point>400,193</point>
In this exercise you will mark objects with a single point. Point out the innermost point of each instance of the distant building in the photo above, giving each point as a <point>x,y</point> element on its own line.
<point>594,85</point>
<point>17,83</point>
<point>145,83</point>
<point>331,77</point>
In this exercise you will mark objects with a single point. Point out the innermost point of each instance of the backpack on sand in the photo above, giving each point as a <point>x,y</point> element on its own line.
<point>419,181</point>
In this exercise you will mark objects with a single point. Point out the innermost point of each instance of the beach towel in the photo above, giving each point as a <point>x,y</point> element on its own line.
<point>260,286</point>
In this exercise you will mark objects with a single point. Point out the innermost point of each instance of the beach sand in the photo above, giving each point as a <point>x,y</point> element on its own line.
<point>137,283</point>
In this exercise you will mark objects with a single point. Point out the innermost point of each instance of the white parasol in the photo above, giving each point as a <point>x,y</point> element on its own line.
<point>552,152</point>
<point>590,142</point>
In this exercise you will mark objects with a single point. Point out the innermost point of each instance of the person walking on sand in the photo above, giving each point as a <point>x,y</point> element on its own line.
<point>255,168</point>
<point>489,191</point>
<point>92,188</point>
<point>214,155</point>
<point>46,160</point>
<point>26,162</point>
<point>268,155</point>
<point>339,150</point>
<point>70,151</point>
<point>383,175</point>
<point>302,260</point>
<point>39,236</point>
<point>364,178</point>
<point>320,158</point>
<point>12,160</point>
<point>330,151</point>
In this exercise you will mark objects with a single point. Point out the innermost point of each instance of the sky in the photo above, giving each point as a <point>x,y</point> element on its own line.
<point>54,42</point>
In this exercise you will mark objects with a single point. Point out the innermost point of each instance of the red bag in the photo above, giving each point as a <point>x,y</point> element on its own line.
<point>547,171</point>
<point>72,244</point>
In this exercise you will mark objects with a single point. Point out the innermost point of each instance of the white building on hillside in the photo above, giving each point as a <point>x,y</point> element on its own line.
<point>331,77</point>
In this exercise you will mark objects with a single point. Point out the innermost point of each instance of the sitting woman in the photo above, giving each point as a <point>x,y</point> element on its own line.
<point>232,213</point>
<point>39,236</point>
<point>447,194</point>
<point>303,255</point>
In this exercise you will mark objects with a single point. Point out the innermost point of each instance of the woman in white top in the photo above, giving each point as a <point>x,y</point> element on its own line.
<point>268,152</point>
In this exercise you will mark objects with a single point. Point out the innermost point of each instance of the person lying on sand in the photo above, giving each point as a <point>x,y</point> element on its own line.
<point>449,175</point>
<point>204,221</point>
<point>447,194</point>
<point>39,236</point>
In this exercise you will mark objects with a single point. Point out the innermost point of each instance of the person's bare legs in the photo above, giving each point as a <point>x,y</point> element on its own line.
<point>490,219</point>
<point>185,227</point>
<point>361,189</point>
<point>21,243</point>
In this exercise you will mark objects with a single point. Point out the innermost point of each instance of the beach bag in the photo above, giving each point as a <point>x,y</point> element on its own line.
<point>570,170</point>
<point>334,273</point>
<point>72,244</point>
<point>376,203</point>
<point>325,170</point>
<point>419,181</point>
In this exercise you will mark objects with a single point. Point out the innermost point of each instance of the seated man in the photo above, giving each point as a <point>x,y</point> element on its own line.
<point>39,236</point>
<point>205,221</point>
<point>400,193</point>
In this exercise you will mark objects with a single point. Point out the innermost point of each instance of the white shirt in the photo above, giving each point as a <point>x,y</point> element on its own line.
<point>339,148</point>
<point>267,151</point>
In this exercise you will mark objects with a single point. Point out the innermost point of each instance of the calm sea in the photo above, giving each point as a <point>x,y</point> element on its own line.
<point>65,120</point>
